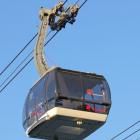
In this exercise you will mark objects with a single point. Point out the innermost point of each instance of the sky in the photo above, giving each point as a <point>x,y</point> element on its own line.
<point>105,40</point>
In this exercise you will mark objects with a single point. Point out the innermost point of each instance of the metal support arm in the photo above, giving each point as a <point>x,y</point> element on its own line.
<point>41,64</point>
<point>56,18</point>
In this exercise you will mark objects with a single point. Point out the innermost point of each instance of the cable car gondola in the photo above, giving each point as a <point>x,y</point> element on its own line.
<point>66,104</point>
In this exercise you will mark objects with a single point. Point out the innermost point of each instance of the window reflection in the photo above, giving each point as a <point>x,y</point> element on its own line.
<point>95,94</point>
<point>70,85</point>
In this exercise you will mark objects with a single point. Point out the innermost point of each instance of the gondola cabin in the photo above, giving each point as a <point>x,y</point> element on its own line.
<point>66,105</point>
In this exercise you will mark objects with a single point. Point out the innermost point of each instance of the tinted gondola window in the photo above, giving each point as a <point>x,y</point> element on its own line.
<point>31,108</point>
<point>107,91</point>
<point>95,94</point>
<point>70,85</point>
<point>50,90</point>
<point>24,116</point>
<point>93,89</point>
<point>39,93</point>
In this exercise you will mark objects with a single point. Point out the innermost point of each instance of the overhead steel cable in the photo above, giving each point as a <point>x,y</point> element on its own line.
<point>51,38</point>
<point>20,64</point>
<point>10,63</point>
<point>23,61</point>
<point>74,4</point>
<point>65,2</point>
<point>83,4</point>
<point>125,130</point>
<point>131,134</point>
<point>31,58</point>
<point>16,75</point>
<point>24,65</point>
<point>26,56</point>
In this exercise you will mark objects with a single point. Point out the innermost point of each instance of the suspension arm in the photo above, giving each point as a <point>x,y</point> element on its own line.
<point>56,18</point>
<point>39,55</point>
